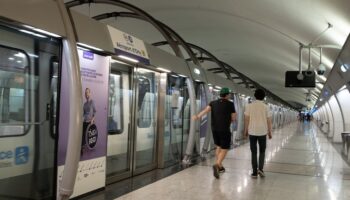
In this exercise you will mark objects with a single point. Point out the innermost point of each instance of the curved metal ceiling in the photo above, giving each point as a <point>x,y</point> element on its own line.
<point>259,38</point>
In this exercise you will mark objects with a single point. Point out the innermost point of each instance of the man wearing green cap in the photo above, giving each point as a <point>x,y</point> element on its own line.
<point>222,115</point>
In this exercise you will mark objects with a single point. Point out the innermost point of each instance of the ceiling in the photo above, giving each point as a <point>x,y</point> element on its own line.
<point>259,38</point>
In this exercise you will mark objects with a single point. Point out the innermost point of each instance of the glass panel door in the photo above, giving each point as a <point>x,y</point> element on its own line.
<point>119,121</point>
<point>146,119</point>
<point>201,100</point>
<point>174,110</point>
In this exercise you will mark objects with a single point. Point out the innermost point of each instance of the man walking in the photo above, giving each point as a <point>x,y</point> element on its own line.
<point>222,114</point>
<point>257,123</point>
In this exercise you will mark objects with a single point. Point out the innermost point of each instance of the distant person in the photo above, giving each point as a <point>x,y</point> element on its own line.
<point>89,111</point>
<point>257,124</point>
<point>223,113</point>
<point>308,117</point>
<point>300,116</point>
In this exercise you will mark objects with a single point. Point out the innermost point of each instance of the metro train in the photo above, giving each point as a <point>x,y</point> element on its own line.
<point>143,109</point>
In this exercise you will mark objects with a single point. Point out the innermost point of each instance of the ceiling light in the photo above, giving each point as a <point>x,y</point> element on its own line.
<point>128,58</point>
<point>33,55</point>
<point>164,70</point>
<point>197,71</point>
<point>342,88</point>
<point>20,55</point>
<point>117,61</point>
<point>42,31</point>
<point>322,78</point>
<point>32,33</point>
<point>319,85</point>
<point>89,46</point>
<point>344,68</point>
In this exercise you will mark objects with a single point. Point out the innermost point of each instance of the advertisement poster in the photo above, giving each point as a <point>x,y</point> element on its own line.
<point>91,173</point>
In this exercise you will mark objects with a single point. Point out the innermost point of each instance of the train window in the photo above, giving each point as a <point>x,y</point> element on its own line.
<point>144,102</point>
<point>14,66</point>
<point>115,104</point>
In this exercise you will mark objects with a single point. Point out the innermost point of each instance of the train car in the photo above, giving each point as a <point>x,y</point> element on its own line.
<point>78,111</point>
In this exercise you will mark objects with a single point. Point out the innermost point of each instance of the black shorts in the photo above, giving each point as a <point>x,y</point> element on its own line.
<point>222,139</point>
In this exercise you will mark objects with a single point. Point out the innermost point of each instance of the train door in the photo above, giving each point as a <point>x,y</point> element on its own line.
<point>145,130</point>
<point>132,121</point>
<point>29,74</point>
<point>174,128</point>
<point>120,97</point>
<point>201,99</point>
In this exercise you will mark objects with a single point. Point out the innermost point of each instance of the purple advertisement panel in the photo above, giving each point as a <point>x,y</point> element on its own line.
<point>91,173</point>
<point>94,74</point>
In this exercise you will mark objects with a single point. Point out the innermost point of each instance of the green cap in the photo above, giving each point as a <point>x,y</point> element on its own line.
<point>224,91</point>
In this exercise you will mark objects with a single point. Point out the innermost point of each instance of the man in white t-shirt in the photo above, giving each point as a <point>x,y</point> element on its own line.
<point>257,124</point>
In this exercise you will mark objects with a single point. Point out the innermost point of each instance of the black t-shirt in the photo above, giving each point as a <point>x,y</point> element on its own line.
<point>221,111</point>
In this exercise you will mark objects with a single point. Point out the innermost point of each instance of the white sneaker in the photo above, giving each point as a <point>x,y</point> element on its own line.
<point>261,173</point>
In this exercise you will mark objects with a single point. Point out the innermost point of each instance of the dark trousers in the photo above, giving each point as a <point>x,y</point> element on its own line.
<point>83,139</point>
<point>262,146</point>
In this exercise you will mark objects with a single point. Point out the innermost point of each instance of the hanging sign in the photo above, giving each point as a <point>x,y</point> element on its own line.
<point>128,46</point>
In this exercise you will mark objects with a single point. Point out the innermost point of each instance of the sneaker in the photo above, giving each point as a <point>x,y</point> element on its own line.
<point>261,173</point>
<point>254,175</point>
<point>216,171</point>
<point>221,169</point>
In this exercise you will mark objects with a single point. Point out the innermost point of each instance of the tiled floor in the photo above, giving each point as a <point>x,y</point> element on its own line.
<point>300,164</point>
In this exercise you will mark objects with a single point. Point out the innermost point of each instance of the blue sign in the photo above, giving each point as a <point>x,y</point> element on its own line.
<point>5,155</point>
<point>21,155</point>
<point>88,55</point>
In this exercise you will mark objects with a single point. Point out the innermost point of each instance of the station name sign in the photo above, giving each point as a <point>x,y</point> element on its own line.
<point>128,45</point>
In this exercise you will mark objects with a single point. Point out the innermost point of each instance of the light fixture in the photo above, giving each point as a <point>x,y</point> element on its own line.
<point>182,75</point>
<point>344,68</point>
<point>20,55</point>
<point>322,78</point>
<point>10,58</point>
<point>319,85</point>
<point>89,46</point>
<point>117,61</point>
<point>128,58</point>
<point>33,55</point>
<point>42,31</point>
<point>164,70</point>
<point>197,71</point>
<point>342,88</point>
<point>32,33</point>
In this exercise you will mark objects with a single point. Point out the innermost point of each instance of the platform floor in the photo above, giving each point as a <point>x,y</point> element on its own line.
<point>301,163</point>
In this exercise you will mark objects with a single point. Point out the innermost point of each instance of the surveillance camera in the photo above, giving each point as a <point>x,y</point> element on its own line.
<point>321,69</point>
